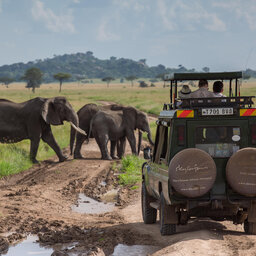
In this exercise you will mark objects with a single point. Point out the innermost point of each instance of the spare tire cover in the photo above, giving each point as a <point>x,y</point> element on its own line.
<point>241,171</point>
<point>192,172</point>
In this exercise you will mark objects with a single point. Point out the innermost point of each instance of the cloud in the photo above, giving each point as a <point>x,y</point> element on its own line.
<point>76,1</point>
<point>181,14</point>
<point>104,33</point>
<point>53,22</point>
<point>1,2</point>
<point>243,10</point>
<point>135,5</point>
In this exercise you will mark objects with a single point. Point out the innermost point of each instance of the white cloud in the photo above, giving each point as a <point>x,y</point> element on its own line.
<point>53,22</point>
<point>135,5</point>
<point>1,6</point>
<point>104,33</point>
<point>76,1</point>
<point>243,10</point>
<point>189,15</point>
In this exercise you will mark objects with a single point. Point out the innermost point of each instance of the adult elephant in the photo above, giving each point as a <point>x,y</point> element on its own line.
<point>32,119</point>
<point>85,115</point>
<point>118,125</point>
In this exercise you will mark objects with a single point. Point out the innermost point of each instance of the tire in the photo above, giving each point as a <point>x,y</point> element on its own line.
<point>241,172</point>
<point>148,213</point>
<point>165,229</point>
<point>250,227</point>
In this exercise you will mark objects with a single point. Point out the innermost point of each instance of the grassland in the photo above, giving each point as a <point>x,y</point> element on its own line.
<point>14,157</point>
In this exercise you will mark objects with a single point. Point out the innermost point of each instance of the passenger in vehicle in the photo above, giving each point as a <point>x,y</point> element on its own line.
<point>202,92</point>
<point>218,89</point>
<point>184,92</point>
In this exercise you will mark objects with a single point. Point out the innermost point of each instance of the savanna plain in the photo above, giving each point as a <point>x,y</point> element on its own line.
<point>40,199</point>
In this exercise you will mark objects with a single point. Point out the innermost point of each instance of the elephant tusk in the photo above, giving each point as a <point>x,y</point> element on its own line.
<point>78,129</point>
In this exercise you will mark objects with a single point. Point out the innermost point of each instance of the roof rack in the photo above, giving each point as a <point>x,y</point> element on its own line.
<point>174,78</point>
<point>235,102</point>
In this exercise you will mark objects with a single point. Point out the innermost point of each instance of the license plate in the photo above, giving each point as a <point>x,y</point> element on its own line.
<point>217,111</point>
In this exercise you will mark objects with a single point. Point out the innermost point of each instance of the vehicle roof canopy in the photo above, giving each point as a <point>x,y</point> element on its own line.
<point>207,76</point>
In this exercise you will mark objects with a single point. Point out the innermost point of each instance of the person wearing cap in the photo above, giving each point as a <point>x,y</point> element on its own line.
<point>218,89</point>
<point>184,92</point>
<point>202,91</point>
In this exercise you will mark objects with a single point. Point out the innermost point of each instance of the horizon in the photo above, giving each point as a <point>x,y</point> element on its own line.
<point>216,34</point>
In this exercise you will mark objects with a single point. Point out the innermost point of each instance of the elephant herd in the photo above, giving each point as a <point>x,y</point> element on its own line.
<point>33,119</point>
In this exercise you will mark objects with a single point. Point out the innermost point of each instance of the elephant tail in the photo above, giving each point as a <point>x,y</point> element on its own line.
<point>89,133</point>
<point>72,139</point>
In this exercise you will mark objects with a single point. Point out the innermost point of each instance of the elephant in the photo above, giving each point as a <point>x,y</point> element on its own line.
<point>117,126</point>
<point>32,119</point>
<point>85,114</point>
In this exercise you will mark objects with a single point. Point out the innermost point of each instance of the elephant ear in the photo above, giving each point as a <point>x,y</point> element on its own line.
<point>130,116</point>
<point>50,114</point>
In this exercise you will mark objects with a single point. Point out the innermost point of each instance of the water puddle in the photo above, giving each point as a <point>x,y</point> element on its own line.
<point>110,196</point>
<point>29,247</point>
<point>138,250</point>
<point>88,205</point>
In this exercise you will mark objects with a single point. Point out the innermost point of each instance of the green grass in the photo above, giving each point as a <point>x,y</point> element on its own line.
<point>130,170</point>
<point>15,158</point>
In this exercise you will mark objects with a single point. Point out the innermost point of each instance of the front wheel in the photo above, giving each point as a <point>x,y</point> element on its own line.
<point>249,227</point>
<point>165,229</point>
<point>148,213</point>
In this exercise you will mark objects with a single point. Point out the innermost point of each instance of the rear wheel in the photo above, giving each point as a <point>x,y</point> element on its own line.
<point>165,229</point>
<point>250,227</point>
<point>148,213</point>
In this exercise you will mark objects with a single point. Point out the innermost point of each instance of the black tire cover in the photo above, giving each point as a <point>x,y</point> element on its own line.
<point>192,172</point>
<point>241,172</point>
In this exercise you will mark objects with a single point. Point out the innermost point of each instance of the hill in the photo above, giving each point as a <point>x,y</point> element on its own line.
<point>86,66</point>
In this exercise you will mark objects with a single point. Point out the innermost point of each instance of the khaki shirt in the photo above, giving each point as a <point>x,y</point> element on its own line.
<point>202,93</point>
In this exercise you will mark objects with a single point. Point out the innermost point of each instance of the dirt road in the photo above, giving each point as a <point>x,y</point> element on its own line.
<point>40,200</point>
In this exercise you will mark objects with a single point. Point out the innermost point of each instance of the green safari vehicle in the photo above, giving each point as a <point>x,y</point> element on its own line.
<point>203,162</point>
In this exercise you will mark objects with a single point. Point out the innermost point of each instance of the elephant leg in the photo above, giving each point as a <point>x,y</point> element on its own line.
<point>79,141</point>
<point>102,143</point>
<point>132,141</point>
<point>121,147</point>
<point>113,149</point>
<point>34,143</point>
<point>47,137</point>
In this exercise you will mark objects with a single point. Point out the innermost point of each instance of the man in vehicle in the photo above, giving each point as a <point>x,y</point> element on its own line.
<point>218,89</point>
<point>184,92</point>
<point>202,92</point>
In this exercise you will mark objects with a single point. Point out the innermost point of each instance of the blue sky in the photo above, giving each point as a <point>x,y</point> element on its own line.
<point>220,34</point>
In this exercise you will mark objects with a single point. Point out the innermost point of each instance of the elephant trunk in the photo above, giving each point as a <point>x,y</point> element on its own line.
<point>139,141</point>
<point>150,139</point>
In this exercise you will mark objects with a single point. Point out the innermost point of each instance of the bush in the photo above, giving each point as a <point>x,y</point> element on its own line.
<point>130,170</point>
<point>143,84</point>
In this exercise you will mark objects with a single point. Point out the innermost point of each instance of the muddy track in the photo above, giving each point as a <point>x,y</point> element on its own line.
<point>39,201</point>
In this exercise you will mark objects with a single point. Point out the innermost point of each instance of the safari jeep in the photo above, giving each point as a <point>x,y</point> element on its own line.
<point>204,160</point>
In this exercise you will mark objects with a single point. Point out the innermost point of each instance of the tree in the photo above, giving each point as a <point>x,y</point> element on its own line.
<point>206,69</point>
<point>6,80</point>
<point>33,76</point>
<point>108,79</point>
<point>61,77</point>
<point>131,78</point>
<point>161,76</point>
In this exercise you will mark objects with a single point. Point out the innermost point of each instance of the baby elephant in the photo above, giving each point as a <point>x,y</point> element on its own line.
<point>117,126</point>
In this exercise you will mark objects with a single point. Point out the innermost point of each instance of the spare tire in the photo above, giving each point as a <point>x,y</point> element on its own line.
<point>241,172</point>
<point>192,172</point>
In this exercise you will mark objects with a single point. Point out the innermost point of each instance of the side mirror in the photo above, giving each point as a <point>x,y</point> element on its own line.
<point>147,153</point>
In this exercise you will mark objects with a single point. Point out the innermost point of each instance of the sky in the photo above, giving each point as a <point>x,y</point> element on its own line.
<point>219,34</point>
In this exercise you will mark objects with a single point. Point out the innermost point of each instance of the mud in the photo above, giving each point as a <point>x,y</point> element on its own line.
<point>39,202</point>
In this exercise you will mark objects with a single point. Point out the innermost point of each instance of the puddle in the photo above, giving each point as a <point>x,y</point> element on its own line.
<point>110,196</point>
<point>138,250</point>
<point>88,205</point>
<point>29,247</point>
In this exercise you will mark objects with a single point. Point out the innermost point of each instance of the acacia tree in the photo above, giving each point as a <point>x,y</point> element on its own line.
<point>161,76</point>
<point>131,78</point>
<point>108,79</point>
<point>33,76</point>
<point>6,80</point>
<point>206,69</point>
<point>61,77</point>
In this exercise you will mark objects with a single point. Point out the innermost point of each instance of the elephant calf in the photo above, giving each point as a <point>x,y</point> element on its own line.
<point>117,126</point>
<point>32,119</point>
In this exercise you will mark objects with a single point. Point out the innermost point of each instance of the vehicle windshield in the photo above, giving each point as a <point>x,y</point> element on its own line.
<point>218,141</point>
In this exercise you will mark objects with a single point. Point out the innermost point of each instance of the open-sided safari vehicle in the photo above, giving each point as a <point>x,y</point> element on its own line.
<point>204,160</point>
